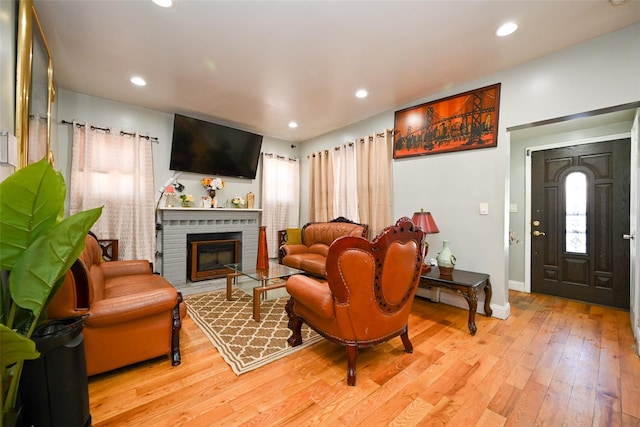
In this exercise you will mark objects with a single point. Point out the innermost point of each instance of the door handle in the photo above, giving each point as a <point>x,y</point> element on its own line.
<point>537,233</point>
<point>628,236</point>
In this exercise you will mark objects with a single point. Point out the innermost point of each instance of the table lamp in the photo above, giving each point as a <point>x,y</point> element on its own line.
<point>425,221</point>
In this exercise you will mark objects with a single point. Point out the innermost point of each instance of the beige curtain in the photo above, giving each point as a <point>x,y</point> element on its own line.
<point>280,197</point>
<point>115,170</point>
<point>321,187</point>
<point>373,169</point>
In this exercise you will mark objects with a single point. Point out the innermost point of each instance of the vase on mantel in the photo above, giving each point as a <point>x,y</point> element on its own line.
<point>262,263</point>
<point>446,260</point>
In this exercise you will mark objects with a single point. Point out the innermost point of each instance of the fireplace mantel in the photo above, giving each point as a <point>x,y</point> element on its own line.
<point>178,222</point>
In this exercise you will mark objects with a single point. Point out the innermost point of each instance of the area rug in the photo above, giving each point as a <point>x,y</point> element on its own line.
<point>241,341</point>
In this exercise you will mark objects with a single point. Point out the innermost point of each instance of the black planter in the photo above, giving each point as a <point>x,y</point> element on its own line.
<point>54,388</point>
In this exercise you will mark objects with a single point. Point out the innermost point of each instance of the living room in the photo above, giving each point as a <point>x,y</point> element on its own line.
<point>595,75</point>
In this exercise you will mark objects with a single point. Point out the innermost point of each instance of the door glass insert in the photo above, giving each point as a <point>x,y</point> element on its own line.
<point>576,213</point>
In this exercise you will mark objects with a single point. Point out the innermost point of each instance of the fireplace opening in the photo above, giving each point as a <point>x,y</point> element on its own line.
<point>207,253</point>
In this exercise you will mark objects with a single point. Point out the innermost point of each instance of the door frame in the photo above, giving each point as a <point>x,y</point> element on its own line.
<point>634,225</point>
<point>527,219</point>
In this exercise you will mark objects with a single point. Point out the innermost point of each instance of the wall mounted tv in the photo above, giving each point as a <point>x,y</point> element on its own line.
<point>212,149</point>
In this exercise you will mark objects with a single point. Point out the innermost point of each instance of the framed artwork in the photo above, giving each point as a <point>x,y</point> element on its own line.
<point>460,122</point>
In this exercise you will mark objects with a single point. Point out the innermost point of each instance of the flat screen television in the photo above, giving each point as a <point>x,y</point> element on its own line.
<point>212,149</point>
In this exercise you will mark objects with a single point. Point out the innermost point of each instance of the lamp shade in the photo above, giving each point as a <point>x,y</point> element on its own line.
<point>425,221</point>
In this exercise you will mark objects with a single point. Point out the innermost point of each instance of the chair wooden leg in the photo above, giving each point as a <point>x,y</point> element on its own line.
<point>408,347</point>
<point>352,354</point>
<point>175,333</point>
<point>295,324</point>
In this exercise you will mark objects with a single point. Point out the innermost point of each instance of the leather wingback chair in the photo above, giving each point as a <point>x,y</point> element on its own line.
<point>131,314</point>
<point>368,294</point>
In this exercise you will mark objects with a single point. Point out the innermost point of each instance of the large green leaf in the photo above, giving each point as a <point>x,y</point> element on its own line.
<point>47,259</point>
<point>15,347</point>
<point>31,201</point>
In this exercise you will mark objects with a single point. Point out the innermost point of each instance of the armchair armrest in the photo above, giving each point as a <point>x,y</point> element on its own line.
<point>130,307</point>
<point>313,294</point>
<point>125,268</point>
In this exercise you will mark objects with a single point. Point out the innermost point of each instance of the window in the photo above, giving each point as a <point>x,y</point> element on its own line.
<point>576,213</point>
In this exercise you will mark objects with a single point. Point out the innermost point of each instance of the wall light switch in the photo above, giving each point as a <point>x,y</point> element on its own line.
<point>513,207</point>
<point>484,208</point>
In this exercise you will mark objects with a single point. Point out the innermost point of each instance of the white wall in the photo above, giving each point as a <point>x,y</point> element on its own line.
<point>596,74</point>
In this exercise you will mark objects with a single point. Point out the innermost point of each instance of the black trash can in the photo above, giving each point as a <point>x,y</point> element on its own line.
<point>54,388</point>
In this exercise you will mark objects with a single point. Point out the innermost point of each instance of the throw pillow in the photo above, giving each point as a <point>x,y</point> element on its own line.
<point>294,236</point>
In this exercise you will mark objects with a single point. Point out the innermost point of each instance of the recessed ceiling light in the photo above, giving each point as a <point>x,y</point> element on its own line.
<point>506,29</point>
<point>362,93</point>
<point>293,125</point>
<point>164,3</point>
<point>138,81</point>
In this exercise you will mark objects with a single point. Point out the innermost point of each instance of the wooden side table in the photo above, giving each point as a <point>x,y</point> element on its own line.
<point>465,283</point>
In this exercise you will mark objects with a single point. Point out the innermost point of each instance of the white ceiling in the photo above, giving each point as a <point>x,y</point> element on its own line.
<point>257,65</point>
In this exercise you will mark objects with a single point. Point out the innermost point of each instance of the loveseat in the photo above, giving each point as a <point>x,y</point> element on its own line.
<point>130,314</point>
<point>310,254</point>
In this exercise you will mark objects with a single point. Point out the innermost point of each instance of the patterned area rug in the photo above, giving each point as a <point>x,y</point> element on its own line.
<point>242,342</point>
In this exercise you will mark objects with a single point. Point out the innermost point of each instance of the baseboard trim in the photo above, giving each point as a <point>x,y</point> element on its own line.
<point>516,286</point>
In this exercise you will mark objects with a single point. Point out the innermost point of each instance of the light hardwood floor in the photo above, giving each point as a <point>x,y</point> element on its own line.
<point>554,362</point>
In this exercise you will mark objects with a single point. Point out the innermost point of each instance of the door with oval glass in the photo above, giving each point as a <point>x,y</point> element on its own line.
<point>579,215</point>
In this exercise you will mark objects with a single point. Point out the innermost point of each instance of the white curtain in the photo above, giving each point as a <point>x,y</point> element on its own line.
<point>346,190</point>
<point>280,197</point>
<point>115,170</point>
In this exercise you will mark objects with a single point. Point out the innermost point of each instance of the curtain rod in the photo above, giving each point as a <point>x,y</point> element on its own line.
<point>277,156</point>
<point>370,138</point>
<point>108,130</point>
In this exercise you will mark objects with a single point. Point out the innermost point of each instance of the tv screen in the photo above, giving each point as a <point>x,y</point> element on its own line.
<point>212,149</point>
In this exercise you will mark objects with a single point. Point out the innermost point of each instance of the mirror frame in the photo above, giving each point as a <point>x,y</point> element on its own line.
<point>28,25</point>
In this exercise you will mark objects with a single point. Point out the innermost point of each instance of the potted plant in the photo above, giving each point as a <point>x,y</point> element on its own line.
<point>37,247</point>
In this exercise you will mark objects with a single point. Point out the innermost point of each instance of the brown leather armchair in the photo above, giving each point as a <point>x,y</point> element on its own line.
<point>130,313</point>
<point>368,293</point>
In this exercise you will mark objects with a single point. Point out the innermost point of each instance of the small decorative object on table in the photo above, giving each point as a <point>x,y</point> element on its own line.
<point>425,221</point>
<point>262,262</point>
<point>187,200</point>
<point>170,200</point>
<point>446,260</point>
<point>238,202</point>
<point>250,200</point>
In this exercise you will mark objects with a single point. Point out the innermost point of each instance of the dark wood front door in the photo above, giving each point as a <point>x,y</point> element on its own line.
<point>580,211</point>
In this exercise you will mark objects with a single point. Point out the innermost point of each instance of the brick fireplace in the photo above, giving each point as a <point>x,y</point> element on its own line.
<point>177,223</point>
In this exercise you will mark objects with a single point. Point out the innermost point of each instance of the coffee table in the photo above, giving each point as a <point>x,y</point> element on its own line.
<point>259,285</point>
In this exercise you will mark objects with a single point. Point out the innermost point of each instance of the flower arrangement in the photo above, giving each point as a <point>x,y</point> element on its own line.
<point>212,183</point>
<point>187,199</point>
<point>238,201</point>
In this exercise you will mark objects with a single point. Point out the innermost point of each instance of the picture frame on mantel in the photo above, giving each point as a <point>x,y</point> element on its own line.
<point>466,121</point>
